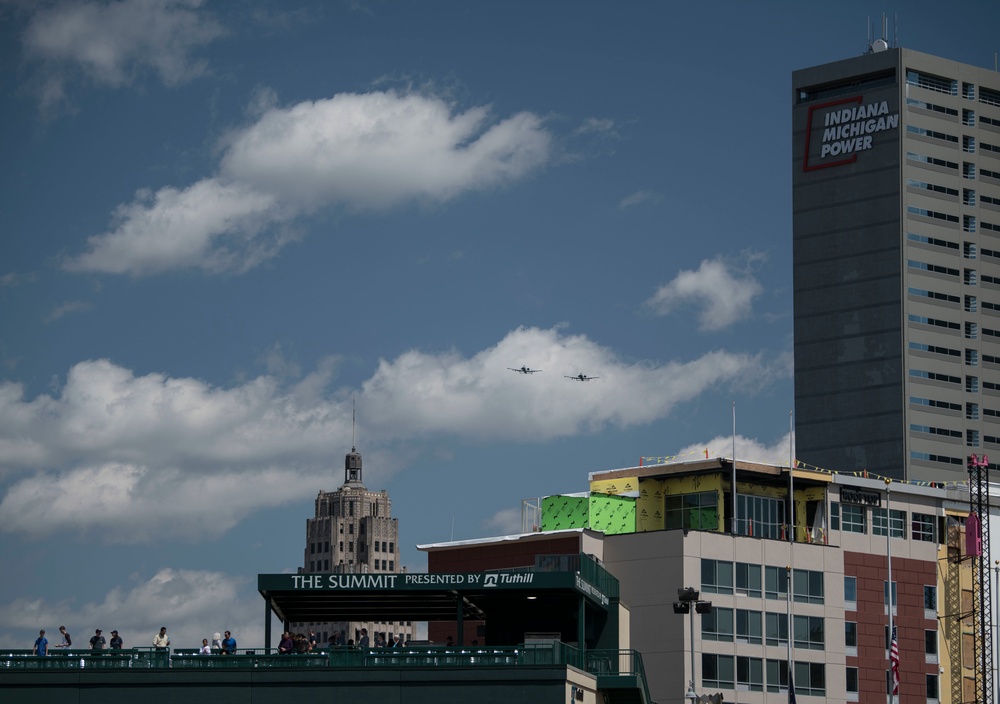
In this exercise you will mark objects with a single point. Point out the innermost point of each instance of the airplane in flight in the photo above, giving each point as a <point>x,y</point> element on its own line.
<point>524,370</point>
<point>582,377</point>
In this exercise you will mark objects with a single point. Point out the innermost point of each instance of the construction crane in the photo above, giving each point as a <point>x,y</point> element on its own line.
<point>979,543</point>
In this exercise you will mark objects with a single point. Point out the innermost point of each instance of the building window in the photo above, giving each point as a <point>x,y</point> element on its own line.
<point>717,624</point>
<point>971,304</point>
<point>716,671</point>
<point>968,91</point>
<point>933,134</point>
<point>933,214</point>
<point>969,250</point>
<point>750,674</point>
<point>923,528</point>
<point>969,118</point>
<point>930,598</point>
<point>392,548</point>
<point>851,635</point>
<point>885,598</point>
<point>896,520</point>
<point>968,196</point>
<point>326,565</point>
<point>835,507</point>
<point>971,358</point>
<point>918,401</point>
<point>927,430</point>
<point>383,565</point>
<point>312,548</point>
<point>392,566</point>
<point>924,159</point>
<point>748,579</point>
<point>748,626</point>
<point>341,546</point>
<point>777,676</point>
<point>775,629</point>
<point>350,529</point>
<point>969,170</point>
<point>932,187</point>
<point>972,331</point>
<point>775,583</point>
<point>850,593</point>
<point>809,632</point>
<point>968,144</point>
<point>988,96</point>
<point>807,586</point>
<point>696,511</point>
<point>350,546</point>
<point>972,438</point>
<point>931,646</point>
<point>761,516</point>
<point>929,457</point>
<point>853,518</point>
<point>933,693</point>
<point>810,678</point>
<point>929,81</point>
<point>716,576</point>
<point>852,682</point>
<point>969,224</point>
<point>972,384</point>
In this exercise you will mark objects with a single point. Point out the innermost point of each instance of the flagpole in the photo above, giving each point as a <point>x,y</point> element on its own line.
<point>791,632</point>
<point>888,553</point>
<point>735,523</point>
<point>791,484</point>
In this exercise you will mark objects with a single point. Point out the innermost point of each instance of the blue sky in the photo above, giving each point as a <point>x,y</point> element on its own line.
<point>225,223</point>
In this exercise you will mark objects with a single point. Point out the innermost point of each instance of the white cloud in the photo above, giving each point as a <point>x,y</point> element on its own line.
<point>721,292</point>
<point>192,604</point>
<point>67,308</point>
<point>747,449</point>
<point>154,456</point>
<point>113,42</point>
<point>212,225</point>
<point>598,125</point>
<point>506,521</point>
<point>638,198</point>
<point>421,393</point>
<point>356,151</point>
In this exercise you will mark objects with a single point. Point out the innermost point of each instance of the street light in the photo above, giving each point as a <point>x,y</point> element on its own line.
<point>687,597</point>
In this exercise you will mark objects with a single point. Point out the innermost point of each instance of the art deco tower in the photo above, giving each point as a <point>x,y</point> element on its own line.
<point>353,531</point>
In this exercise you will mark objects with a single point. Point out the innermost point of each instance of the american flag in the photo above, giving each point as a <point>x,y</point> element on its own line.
<point>894,662</point>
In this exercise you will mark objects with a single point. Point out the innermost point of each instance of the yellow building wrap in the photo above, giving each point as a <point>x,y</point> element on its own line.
<point>649,506</point>
<point>615,486</point>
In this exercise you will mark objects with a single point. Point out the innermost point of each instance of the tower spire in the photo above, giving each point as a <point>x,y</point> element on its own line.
<point>352,463</point>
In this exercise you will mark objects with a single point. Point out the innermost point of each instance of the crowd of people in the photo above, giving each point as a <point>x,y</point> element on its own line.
<point>290,642</point>
<point>161,641</point>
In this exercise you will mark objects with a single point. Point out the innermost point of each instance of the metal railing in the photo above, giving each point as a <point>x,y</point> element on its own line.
<point>601,662</point>
<point>618,663</point>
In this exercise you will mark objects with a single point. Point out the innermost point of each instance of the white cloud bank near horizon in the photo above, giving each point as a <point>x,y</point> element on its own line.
<point>196,459</point>
<point>358,152</point>
<point>192,604</point>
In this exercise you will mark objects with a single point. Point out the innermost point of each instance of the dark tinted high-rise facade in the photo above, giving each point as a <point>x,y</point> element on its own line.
<point>896,239</point>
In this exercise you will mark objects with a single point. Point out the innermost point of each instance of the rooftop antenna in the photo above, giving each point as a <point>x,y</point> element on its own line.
<point>880,44</point>
<point>354,422</point>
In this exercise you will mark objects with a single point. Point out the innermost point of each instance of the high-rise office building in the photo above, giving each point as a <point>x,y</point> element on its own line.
<point>896,239</point>
<point>353,532</point>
